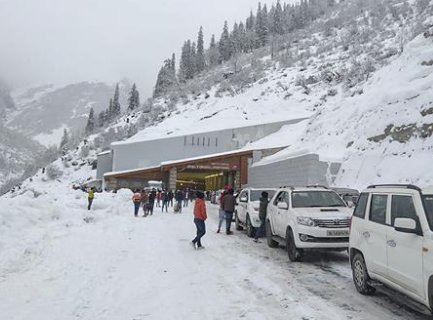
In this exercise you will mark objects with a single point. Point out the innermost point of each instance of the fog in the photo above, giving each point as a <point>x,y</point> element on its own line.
<point>64,41</point>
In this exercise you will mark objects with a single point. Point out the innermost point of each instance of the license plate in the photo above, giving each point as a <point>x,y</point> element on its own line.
<point>337,233</point>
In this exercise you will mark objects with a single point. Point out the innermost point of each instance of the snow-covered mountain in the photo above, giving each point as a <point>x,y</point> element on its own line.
<point>6,101</point>
<point>44,112</point>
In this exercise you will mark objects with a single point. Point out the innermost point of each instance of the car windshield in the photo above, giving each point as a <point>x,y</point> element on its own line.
<point>311,199</point>
<point>256,194</point>
<point>428,205</point>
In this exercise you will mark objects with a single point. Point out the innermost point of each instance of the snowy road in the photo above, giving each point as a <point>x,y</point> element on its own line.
<point>126,268</point>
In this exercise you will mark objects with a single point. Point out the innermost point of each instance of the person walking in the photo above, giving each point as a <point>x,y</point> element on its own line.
<point>200,217</point>
<point>186,198</point>
<point>136,199</point>
<point>229,202</point>
<point>90,197</point>
<point>158,198</point>
<point>170,197</point>
<point>151,201</point>
<point>263,211</point>
<point>179,200</point>
<point>165,200</point>
<point>221,212</point>
<point>144,202</point>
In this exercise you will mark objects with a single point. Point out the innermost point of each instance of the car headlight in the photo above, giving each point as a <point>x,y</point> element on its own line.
<point>306,221</point>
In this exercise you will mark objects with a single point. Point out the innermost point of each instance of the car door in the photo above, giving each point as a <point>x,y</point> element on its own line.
<point>373,235</point>
<point>273,212</point>
<point>405,250</point>
<point>282,214</point>
<point>242,205</point>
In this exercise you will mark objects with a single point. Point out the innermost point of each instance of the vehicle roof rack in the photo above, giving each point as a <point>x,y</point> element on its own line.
<point>317,186</point>
<point>393,185</point>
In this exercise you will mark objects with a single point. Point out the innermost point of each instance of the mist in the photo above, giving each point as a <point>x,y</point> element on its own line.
<point>64,41</point>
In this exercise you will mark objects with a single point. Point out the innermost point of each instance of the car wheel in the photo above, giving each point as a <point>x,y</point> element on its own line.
<point>237,222</point>
<point>293,252</point>
<point>360,275</point>
<point>250,229</point>
<point>271,242</point>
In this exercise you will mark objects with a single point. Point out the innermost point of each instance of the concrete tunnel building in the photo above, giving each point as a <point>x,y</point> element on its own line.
<point>205,160</point>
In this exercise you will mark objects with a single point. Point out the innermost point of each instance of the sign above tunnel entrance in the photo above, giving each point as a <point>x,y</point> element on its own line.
<point>212,166</point>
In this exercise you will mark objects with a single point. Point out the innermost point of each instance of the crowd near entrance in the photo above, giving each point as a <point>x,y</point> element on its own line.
<point>207,173</point>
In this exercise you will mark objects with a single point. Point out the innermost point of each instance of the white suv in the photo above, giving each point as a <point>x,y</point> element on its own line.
<point>391,241</point>
<point>247,209</point>
<point>307,218</point>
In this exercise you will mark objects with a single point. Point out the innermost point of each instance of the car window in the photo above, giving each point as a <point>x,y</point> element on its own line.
<point>311,199</point>
<point>361,206</point>
<point>428,206</point>
<point>279,198</point>
<point>378,208</point>
<point>243,194</point>
<point>402,207</point>
<point>286,198</point>
<point>257,194</point>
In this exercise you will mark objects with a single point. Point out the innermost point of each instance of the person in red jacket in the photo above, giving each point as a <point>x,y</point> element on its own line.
<point>200,217</point>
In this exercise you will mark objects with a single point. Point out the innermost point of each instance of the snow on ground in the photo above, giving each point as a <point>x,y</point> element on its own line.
<point>51,139</point>
<point>55,265</point>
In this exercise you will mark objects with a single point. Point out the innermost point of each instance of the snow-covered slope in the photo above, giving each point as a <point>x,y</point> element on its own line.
<point>44,112</point>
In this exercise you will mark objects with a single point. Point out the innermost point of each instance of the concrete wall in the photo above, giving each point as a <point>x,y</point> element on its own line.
<point>152,152</point>
<point>300,171</point>
<point>105,163</point>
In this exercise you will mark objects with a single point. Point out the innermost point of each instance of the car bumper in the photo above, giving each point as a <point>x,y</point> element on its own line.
<point>314,237</point>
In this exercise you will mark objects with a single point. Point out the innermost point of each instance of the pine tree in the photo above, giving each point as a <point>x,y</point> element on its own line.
<point>235,40</point>
<point>224,44</point>
<point>250,22</point>
<point>243,40</point>
<point>200,60</point>
<point>116,103</point>
<point>213,52</point>
<point>102,118</point>
<point>193,62</point>
<point>90,126</point>
<point>110,114</point>
<point>65,139</point>
<point>261,26</point>
<point>186,62</point>
<point>277,20</point>
<point>173,64</point>
<point>166,77</point>
<point>134,98</point>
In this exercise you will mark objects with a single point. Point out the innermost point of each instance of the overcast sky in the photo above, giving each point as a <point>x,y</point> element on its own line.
<point>62,41</point>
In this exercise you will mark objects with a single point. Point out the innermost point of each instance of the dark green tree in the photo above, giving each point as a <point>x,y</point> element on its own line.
<point>90,126</point>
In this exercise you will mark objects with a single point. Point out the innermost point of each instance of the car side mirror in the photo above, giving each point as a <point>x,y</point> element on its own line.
<point>282,205</point>
<point>406,225</point>
<point>243,199</point>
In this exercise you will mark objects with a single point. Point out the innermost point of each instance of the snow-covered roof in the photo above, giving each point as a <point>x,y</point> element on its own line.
<point>156,133</point>
<point>116,173</point>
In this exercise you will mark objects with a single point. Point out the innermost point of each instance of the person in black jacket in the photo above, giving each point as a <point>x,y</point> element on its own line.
<point>229,202</point>
<point>263,210</point>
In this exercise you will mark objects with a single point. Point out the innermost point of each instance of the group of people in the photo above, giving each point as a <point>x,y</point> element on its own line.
<point>148,199</point>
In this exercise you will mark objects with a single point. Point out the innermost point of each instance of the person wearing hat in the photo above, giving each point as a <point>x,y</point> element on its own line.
<point>263,210</point>
<point>200,217</point>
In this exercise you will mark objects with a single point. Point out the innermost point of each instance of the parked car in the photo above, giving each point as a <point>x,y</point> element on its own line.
<point>247,209</point>
<point>391,242</point>
<point>307,218</point>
